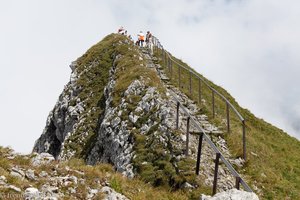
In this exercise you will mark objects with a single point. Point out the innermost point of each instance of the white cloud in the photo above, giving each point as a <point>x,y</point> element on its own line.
<point>249,47</point>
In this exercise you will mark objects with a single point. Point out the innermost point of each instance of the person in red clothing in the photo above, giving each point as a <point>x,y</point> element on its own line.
<point>141,38</point>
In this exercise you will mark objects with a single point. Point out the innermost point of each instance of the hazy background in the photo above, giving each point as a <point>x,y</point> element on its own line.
<point>249,47</point>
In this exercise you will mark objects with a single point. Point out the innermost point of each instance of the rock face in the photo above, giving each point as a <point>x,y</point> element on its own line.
<point>232,194</point>
<point>87,123</point>
<point>114,143</point>
<point>72,123</point>
<point>61,119</point>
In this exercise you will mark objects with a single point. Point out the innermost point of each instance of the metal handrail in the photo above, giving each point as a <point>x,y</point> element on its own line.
<point>212,145</point>
<point>224,98</point>
<point>203,134</point>
<point>214,91</point>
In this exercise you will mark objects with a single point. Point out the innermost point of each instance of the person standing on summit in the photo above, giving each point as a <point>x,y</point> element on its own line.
<point>149,43</point>
<point>141,38</point>
<point>121,30</point>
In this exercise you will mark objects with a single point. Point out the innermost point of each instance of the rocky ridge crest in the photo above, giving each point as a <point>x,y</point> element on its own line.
<point>137,135</point>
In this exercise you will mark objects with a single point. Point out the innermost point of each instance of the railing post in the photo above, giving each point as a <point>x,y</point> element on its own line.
<point>228,117</point>
<point>213,103</point>
<point>187,136</point>
<point>177,116</point>
<point>244,140</point>
<point>237,182</point>
<point>199,92</point>
<point>179,75</point>
<point>199,153</point>
<point>216,174</point>
<point>190,83</point>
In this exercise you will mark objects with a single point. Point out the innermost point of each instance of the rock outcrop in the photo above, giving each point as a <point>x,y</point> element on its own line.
<point>132,126</point>
<point>232,194</point>
<point>48,179</point>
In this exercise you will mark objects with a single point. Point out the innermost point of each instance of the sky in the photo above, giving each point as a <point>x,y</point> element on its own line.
<point>249,47</point>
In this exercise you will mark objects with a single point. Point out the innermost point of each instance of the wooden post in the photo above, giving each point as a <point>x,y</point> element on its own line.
<point>187,136</point>
<point>216,174</point>
<point>237,182</point>
<point>177,116</point>
<point>228,117</point>
<point>199,92</point>
<point>199,153</point>
<point>244,140</point>
<point>213,103</point>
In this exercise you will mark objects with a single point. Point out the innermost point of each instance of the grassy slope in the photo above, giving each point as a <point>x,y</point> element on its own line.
<point>273,156</point>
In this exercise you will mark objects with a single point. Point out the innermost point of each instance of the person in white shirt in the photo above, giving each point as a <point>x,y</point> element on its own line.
<point>149,43</point>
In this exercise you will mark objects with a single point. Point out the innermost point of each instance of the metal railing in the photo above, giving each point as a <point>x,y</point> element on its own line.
<point>203,136</point>
<point>167,59</point>
<point>169,62</point>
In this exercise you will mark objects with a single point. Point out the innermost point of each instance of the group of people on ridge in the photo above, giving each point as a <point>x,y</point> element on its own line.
<point>140,38</point>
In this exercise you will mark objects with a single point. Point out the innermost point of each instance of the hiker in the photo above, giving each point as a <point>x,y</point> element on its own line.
<point>149,42</point>
<point>148,37</point>
<point>141,38</point>
<point>121,30</point>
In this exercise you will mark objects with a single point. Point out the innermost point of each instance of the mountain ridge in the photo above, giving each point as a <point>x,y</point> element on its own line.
<point>116,110</point>
<point>234,141</point>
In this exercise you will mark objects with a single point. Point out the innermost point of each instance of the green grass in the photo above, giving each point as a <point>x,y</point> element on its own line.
<point>273,156</point>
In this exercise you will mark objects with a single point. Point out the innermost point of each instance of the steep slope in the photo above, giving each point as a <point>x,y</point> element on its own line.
<point>272,167</point>
<point>116,110</point>
<point>72,123</point>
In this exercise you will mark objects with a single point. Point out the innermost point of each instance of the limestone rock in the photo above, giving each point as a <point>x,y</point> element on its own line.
<point>43,174</point>
<point>3,180</point>
<point>92,193</point>
<point>31,193</point>
<point>232,194</point>
<point>42,158</point>
<point>12,187</point>
<point>111,194</point>
<point>16,171</point>
<point>30,174</point>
